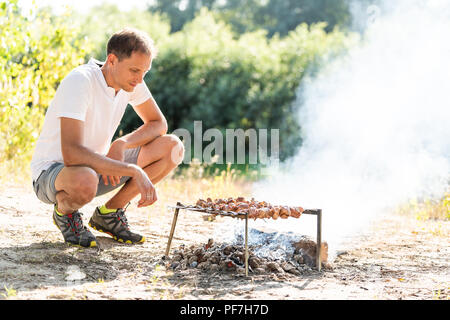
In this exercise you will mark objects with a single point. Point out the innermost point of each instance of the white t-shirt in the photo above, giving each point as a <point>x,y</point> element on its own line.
<point>84,95</point>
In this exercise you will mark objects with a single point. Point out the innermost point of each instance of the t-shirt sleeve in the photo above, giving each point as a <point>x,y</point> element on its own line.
<point>140,94</point>
<point>72,97</point>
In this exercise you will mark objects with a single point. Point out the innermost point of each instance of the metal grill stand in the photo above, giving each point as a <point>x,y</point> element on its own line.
<point>316,212</point>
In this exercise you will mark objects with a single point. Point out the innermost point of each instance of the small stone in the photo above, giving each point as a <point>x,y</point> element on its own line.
<point>287,266</point>
<point>227,250</point>
<point>294,271</point>
<point>210,243</point>
<point>214,260</point>
<point>203,265</point>
<point>214,267</point>
<point>274,267</point>
<point>175,265</point>
<point>193,264</point>
<point>229,264</point>
<point>259,270</point>
<point>199,252</point>
<point>240,270</point>
<point>254,262</point>
<point>192,259</point>
<point>177,258</point>
<point>299,258</point>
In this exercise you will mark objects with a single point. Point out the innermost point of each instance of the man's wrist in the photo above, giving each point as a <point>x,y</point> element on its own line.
<point>135,170</point>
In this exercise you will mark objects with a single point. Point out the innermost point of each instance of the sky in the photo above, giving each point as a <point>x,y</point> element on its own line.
<point>83,6</point>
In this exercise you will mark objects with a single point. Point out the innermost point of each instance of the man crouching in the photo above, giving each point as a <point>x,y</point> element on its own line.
<point>75,161</point>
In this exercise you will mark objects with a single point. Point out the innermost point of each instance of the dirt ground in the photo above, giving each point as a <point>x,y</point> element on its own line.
<point>400,258</point>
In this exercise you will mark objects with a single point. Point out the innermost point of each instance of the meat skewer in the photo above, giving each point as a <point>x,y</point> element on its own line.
<point>254,209</point>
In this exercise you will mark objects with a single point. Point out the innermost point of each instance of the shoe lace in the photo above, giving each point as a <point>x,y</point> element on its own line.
<point>122,218</point>
<point>76,223</point>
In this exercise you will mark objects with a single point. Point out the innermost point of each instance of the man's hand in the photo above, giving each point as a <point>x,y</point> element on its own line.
<point>145,187</point>
<point>116,152</point>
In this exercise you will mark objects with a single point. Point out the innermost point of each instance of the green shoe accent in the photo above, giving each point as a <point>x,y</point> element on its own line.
<point>104,210</point>
<point>57,212</point>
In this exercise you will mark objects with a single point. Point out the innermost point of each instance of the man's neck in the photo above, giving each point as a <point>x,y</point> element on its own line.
<point>108,78</point>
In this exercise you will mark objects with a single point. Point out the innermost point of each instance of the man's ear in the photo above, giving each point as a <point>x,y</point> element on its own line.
<point>111,59</point>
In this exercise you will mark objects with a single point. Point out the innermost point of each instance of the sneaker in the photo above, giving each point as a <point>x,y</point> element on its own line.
<point>116,225</point>
<point>73,230</point>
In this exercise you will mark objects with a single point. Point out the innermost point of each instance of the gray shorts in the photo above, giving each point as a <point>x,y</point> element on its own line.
<point>44,186</point>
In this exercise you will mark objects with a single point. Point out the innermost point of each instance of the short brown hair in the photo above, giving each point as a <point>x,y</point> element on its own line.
<point>124,42</point>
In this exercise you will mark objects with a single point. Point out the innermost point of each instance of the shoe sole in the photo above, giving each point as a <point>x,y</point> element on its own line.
<point>98,228</point>
<point>92,244</point>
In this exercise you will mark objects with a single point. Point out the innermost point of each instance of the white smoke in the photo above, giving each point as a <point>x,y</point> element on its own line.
<point>376,125</point>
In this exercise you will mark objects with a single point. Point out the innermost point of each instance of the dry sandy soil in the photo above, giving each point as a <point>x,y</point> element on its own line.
<point>400,258</point>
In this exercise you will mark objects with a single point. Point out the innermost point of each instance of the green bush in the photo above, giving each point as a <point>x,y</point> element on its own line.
<point>36,53</point>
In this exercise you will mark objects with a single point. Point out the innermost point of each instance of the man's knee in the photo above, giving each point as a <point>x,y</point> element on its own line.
<point>84,186</point>
<point>175,148</point>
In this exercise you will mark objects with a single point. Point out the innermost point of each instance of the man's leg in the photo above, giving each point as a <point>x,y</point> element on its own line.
<point>157,158</point>
<point>75,186</point>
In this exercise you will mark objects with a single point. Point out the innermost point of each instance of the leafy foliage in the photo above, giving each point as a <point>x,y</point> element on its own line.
<point>204,72</point>
<point>274,16</point>
<point>36,53</point>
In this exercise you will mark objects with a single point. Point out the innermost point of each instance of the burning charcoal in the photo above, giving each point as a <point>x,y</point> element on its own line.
<point>240,199</point>
<point>299,258</point>
<point>229,264</point>
<point>254,262</point>
<point>239,255</point>
<point>199,252</point>
<point>177,257</point>
<point>295,271</point>
<point>227,250</point>
<point>203,266</point>
<point>178,253</point>
<point>287,266</point>
<point>307,248</point>
<point>274,267</point>
<point>240,270</point>
<point>214,259</point>
<point>214,267</point>
<point>192,259</point>
<point>205,257</point>
<point>259,270</point>
<point>209,244</point>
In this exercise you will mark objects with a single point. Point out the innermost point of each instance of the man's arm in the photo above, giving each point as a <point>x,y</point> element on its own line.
<point>76,154</point>
<point>155,125</point>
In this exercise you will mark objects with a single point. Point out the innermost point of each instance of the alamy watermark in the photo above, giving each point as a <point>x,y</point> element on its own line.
<point>234,142</point>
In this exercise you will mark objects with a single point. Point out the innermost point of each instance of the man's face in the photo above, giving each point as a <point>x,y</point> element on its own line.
<point>129,72</point>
